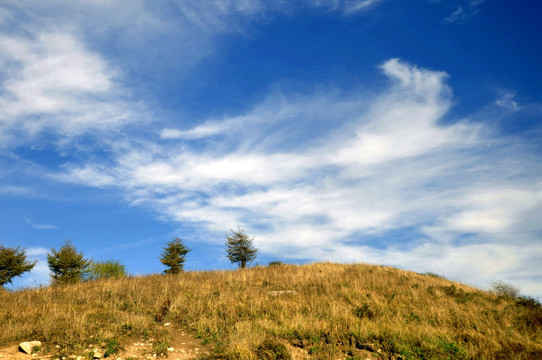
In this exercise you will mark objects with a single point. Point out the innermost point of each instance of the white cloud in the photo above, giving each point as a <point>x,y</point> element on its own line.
<point>97,176</point>
<point>353,6</point>
<point>52,83</point>
<point>495,210</point>
<point>39,226</point>
<point>507,102</point>
<point>15,190</point>
<point>35,252</point>
<point>209,129</point>
<point>464,12</point>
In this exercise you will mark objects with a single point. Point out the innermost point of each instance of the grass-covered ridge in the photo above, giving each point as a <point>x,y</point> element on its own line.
<point>331,311</point>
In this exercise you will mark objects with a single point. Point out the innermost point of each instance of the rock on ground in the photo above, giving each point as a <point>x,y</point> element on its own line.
<point>28,346</point>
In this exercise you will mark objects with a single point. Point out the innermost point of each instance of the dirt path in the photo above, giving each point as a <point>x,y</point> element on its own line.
<point>13,353</point>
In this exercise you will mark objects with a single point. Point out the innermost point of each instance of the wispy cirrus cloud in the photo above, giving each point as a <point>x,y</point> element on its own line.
<point>351,7</point>
<point>39,226</point>
<point>392,168</point>
<point>464,12</point>
<point>15,190</point>
<point>53,82</point>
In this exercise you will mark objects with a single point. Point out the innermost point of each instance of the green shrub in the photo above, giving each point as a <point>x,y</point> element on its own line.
<point>276,263</point>
<point>106,269</point>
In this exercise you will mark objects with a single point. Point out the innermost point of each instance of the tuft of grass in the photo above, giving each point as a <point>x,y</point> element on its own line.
<point>364,312</point>
<point>434,275</point>
<point>160,348</point>
<point>326,310</point>
<point>112,346</point>
<point>271,349</point>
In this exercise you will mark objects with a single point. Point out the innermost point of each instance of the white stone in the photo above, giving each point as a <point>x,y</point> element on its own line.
<point>282,292</point>
<point>27,346</point>
<point>170,349</point>
<point>167,324</point>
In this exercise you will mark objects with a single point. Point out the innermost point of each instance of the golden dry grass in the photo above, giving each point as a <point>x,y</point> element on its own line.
<point>333,311</point>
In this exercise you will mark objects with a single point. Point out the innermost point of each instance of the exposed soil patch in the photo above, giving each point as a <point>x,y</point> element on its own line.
<point>13,353</point>
<point>183,345</point>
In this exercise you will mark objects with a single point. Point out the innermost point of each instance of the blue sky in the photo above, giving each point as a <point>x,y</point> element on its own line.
<point>405,133</point>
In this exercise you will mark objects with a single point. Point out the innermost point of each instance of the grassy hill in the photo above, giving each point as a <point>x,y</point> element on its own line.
<point>330,311</point>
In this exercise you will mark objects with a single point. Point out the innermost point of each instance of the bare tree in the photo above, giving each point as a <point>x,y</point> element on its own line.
<point>239,247</point>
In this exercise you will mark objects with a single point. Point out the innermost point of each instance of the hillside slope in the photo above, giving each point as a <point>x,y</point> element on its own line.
<point>320,311</point>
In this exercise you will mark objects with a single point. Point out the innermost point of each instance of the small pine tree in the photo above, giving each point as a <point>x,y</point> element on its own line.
<point>13,263</point>
<point>67,265</point>
<point>105,269</point>
<point>173,256</point>
<point>239,247</point>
